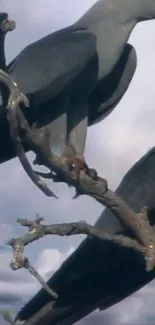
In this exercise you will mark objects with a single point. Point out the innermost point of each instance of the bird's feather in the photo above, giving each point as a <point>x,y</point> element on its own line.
<point>45,68</point>
<point>109,91</point>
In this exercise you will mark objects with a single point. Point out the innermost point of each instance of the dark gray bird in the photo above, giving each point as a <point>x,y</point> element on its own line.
<point>102,101</point>
<point>96,275</point>
<point>77,75</point>
<point>111,86</point>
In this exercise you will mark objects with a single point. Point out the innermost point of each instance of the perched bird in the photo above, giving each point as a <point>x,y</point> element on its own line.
<point>98,275</point>
<point>76,76</point>
<point>102,101</point>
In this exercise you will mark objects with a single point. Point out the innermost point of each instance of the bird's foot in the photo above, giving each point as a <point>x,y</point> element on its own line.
<point>91,172</point>
<point>78,164</point>
<point>69,160</point>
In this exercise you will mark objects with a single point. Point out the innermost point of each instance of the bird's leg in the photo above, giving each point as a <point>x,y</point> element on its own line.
<point>76,138</point>
<point>78,164</point>
<point>65,136</point>
<point>56,132</point>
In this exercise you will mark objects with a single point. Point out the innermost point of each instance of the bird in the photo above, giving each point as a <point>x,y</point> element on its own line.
<point>7,150</point>
<point>72,79</point>
<point>102,101</point>
<point>97,276</point>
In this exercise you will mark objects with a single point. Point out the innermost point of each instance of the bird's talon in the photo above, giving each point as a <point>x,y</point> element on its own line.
<point>92,173</point>
<point>72,166</point>
<point>76,164</point>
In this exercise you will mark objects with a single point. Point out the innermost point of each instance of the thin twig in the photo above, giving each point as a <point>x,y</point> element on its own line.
<point>36,274</point>
<point>19,262</point>
<point>36,231</point>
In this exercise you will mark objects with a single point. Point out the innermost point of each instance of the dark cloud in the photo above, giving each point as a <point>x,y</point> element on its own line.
<point>10,299</point>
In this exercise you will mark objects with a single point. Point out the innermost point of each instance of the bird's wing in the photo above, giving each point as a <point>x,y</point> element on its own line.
<point>48,66</point>
<point>110,91</point>
<point>10,64</point>
<point>87,279</point>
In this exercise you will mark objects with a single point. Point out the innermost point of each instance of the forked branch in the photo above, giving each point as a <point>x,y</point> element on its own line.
<point>96,187</point>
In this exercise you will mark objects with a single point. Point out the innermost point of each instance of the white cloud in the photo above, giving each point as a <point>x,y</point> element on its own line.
<point>51,259</point>
<point>18,286</point>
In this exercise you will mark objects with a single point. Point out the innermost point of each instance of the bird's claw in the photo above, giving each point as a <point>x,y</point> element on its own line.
<point>91,172</point>
<point>77,165</point>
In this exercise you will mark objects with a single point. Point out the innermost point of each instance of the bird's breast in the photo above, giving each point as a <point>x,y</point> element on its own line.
<point>111,39</point>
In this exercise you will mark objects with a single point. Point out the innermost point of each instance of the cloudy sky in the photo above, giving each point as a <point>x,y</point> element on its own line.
<point>117,143</point>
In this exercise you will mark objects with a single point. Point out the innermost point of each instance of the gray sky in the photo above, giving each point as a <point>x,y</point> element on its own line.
<point>113,145</point>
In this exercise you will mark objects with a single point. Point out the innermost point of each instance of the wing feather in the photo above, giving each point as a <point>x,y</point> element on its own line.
<point>48,66</point>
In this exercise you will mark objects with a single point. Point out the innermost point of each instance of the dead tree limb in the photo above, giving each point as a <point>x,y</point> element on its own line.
<point>36,230</point>
<point>19,261</point>
<point>37,140</point>
<point>16,99</point>
<point>98,189</point>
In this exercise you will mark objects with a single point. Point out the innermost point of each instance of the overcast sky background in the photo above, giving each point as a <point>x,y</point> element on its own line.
<point>113,145</point>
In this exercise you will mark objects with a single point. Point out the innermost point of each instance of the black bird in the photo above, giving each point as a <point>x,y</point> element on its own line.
<point>97,275</point>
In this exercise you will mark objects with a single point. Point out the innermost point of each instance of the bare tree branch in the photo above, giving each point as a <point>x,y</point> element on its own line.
<point>36,230</point>
<point>16,99</point>
<point>96,187</point>
<point>19,261</point>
